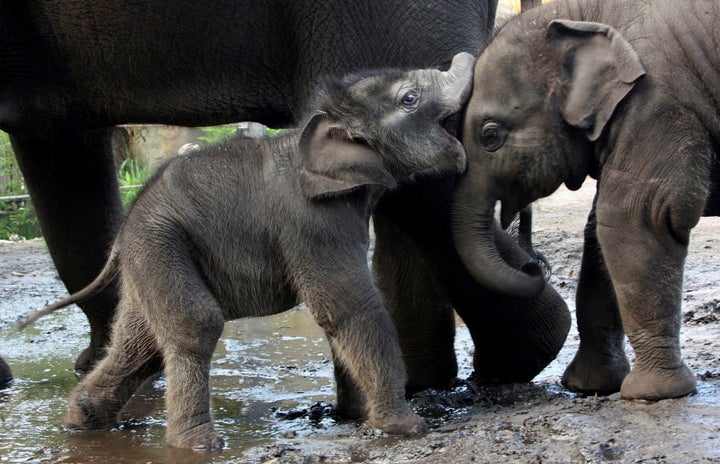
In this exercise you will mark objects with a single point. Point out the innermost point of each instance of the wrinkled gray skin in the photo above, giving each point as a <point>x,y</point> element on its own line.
<point>252,228</point>
<point>71,70</point>
<point>627,93</point>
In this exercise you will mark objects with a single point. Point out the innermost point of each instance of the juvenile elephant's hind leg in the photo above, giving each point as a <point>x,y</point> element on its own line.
<point>132,357</point>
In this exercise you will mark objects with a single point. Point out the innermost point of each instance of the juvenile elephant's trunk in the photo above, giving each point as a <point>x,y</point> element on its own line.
<point>474,232</point>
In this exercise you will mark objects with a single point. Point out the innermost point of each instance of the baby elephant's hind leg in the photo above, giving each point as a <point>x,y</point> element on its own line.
<point>132,357</point>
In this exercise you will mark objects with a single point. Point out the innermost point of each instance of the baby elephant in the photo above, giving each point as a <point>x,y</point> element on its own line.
<point>252,228</point>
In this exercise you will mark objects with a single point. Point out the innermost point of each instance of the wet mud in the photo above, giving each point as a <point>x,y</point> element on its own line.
<point>273,391</point>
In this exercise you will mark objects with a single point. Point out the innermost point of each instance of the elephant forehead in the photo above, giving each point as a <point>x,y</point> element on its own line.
<point>507,92</point>
<point>377,89</point>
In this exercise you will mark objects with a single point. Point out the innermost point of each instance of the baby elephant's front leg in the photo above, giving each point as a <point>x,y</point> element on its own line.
<point>365,344</point>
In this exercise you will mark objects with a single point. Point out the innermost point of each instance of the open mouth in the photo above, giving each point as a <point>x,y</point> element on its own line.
<point>450,124</point>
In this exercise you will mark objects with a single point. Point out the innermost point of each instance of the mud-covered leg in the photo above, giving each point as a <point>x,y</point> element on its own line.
<point>132,357</point>
<point>423,316</point>
<point>73,184</point>
<point>345,303</point>
<point>600,364</point>
<point>646,269</point>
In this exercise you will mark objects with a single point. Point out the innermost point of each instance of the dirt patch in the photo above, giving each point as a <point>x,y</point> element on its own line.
<point>272,384</point>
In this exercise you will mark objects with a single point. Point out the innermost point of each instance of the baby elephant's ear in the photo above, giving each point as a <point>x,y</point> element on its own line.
<point>601,69</point>
<point>332,163</point>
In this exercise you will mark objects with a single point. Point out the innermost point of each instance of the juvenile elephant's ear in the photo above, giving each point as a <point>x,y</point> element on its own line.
<point>331,162</point>
<point>601,68</point>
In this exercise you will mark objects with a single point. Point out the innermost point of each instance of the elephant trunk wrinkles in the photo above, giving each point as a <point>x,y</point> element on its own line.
<point>474,229</point>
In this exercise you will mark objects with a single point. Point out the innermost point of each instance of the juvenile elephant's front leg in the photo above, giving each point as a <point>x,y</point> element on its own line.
<point>365,346</point>
<point>646,268</point>
<point>600,364</point>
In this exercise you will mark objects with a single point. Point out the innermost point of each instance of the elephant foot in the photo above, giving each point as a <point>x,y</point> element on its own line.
<point>5,374</point>
<point>408,425</point>
<point>594,373</point>
<point>88,413</point>
<point>658,384</point>
<point>200,437</point>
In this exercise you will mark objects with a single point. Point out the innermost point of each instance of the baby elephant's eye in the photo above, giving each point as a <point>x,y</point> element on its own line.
<point>410,99</point>
<point>492,136</point>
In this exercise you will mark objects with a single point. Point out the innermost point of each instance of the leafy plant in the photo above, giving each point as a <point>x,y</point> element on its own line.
<point>216,134</point>
<point>11,181</point>
<point>132,176</point>
<point>17,216</point>
<point>270,132</point>
<point>19,220</point>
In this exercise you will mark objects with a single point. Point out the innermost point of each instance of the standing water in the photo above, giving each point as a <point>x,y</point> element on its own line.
<point>271,382</point>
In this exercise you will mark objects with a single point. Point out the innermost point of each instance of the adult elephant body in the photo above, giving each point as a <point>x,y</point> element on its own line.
<point>71,70</point>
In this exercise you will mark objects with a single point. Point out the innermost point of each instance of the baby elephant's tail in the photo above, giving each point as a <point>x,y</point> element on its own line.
<point>108,273</point>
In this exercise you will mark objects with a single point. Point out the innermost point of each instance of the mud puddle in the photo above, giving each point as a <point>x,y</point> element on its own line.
<point>272,384</point>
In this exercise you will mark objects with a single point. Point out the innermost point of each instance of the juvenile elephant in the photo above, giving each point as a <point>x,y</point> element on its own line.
<point>627,93</point>
<point>251,228</point>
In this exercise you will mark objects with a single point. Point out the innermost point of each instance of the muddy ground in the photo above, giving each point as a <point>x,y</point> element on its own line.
<point>272,384</point>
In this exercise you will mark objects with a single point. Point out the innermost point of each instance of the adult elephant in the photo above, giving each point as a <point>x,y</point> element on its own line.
<point>72,70</point>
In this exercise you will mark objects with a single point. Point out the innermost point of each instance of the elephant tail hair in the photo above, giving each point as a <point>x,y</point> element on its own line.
<point>107,274</point>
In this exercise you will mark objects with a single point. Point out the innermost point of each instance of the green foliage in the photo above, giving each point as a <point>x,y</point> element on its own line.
<point>131,176</point>
<point>17,217</point>
<point>270,132</point>
<point>216,134</point>
<point>11,181</point>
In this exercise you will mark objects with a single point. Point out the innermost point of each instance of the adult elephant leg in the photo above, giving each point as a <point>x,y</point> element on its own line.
<point>515,338</point>
<point>600,364</point>
<point>74,189</point>
<point>5,374</point>
<point>423,316</point>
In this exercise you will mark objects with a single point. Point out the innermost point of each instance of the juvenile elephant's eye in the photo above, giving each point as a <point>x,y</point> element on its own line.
<point>410,99</point>
<point>492,136</point>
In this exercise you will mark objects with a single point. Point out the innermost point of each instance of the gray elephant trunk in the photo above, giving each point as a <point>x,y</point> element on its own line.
<point>474,232</point>
<point>458,80</point>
